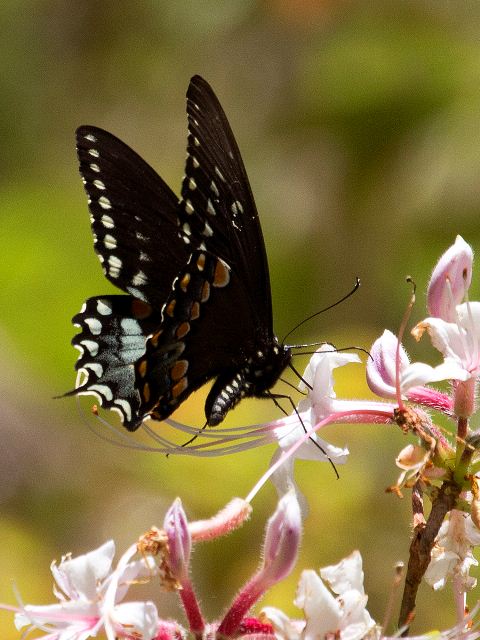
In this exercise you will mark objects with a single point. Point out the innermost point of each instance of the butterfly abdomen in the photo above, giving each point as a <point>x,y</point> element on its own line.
<point>254,379</point>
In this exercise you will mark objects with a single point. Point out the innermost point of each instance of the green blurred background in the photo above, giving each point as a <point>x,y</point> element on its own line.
<point>358,123</point>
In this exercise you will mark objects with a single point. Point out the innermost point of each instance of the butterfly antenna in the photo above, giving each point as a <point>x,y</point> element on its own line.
<point>334,350</point>
<point>331,306</point>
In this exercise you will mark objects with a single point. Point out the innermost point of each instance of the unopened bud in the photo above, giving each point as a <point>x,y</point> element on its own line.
<point>282,539</point>
<point>450,280</point>
<point>179,541</point>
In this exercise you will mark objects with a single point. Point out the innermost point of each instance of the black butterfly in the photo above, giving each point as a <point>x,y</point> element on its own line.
<point>195,271</point>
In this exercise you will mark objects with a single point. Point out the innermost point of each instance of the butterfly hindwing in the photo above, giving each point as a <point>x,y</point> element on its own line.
<point>113,333</point>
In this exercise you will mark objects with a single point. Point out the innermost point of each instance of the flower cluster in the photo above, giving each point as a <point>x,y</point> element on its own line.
<point>90,591</point>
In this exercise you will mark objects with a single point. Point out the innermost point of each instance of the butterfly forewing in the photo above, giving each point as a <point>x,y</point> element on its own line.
<point>217,207</point>
<point>133,214</point>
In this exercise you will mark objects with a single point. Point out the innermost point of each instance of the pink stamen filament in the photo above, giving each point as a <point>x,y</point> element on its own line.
<point>403,324</point>
<point>334,417</point>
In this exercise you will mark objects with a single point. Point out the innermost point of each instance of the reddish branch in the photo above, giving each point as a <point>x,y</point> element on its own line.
<point>421,546</point>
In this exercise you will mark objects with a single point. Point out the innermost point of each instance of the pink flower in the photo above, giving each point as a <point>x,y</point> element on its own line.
<point>382,371</point>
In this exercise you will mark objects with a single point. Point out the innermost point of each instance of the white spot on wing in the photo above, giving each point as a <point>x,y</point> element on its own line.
<point>94,325</point>
<point>210,208</point>
<point>130,327</point>
<point>236,207</point>
<point>136,293</point>
<point>126,409</point>
<point>90,346</point>
<point>99,184</point>
<point>90,137</point>
<point>107,221</point>
<point>96,367</point>
<point>219,174</point>
<point>207,230</point>
<point>94,167</point>
<point>192,185</point>
<point>104,307</point>
<point>110,242</point>
<point>104,202</point>
<point>145,257</point>
<point>79,347</point>
<point>189,207</point>
<point>115,264</point>
<point>214,188</point>
<point>103,390</point>
<point>139,279</point>
<point>94,153</point>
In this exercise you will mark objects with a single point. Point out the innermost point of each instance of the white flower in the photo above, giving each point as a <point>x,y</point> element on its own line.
<point>459,342</point>
<point>338,612</point>
<point>319,403</point>
<point>81,587</point>
<point>316,405</point>
<point>452,554</point>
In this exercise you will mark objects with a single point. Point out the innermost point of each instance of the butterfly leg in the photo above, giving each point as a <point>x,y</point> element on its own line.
<point>281,396</point>
<point>193,438</point>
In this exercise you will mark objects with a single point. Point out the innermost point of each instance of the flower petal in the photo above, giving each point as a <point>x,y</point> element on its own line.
<point>345,575</point>
<point>322,611</point>
<point>79,576</point>
<point>285,629</point>
<point>381,365</point>
<point>450,280</point>
<point>137,619</point>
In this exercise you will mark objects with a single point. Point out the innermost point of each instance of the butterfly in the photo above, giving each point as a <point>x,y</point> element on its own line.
<point>197,303</point>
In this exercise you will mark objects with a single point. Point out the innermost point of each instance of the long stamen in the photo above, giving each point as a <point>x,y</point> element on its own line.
<point>334,417</point>
<point>401,331</point>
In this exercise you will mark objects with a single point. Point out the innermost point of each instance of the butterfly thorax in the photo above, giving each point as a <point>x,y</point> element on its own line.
<point>251,379</point>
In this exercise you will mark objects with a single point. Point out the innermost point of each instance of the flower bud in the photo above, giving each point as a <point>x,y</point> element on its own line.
<point>282,539</point>
<point>179,541</point>
<point>450,280</point>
